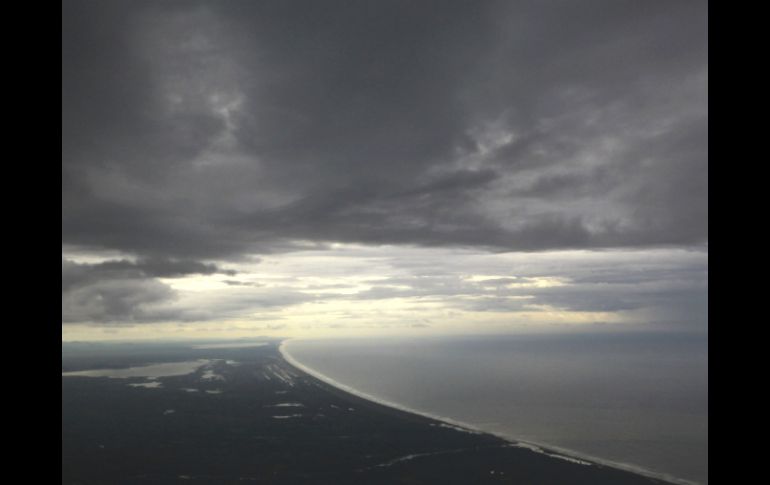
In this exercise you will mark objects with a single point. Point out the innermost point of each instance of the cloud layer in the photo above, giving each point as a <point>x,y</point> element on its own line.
<point>200,131</point>
<point>214,129</point>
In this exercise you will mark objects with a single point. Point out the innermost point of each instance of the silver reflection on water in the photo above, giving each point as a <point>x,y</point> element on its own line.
<point>637,400</point>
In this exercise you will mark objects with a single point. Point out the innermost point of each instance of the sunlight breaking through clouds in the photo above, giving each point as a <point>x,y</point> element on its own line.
<point>359,289</point>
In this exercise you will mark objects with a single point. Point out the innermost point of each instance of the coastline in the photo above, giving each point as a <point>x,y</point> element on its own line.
<point>541,448</point>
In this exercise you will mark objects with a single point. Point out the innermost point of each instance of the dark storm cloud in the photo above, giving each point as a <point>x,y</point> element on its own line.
<point>109,292</point>
<point>74,274</point>
<point>126,291</point>
<point>163,268</point>
<point>122,291</point>
<point>197,130</point>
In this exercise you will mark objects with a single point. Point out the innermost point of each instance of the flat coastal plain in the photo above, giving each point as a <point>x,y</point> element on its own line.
<point>243,414</point>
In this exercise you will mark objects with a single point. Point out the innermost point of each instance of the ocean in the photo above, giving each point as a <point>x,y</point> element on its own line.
<point>637,400</point>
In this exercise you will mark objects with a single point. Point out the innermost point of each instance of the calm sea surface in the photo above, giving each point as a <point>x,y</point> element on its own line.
<point>640,400</point>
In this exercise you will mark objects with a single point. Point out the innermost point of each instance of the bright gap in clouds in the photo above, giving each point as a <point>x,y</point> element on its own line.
<point>378,290</point>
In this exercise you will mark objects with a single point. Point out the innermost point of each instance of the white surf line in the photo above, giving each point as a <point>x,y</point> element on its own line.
<point>456,428</point>
<point>567,454</point>
<point>535,447</point>
<point>572,460</point>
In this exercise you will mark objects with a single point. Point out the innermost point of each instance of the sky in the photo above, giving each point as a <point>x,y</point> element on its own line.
<point>303,168</point>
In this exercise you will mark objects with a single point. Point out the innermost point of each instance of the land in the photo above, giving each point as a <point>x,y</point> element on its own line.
<point>246,415</point>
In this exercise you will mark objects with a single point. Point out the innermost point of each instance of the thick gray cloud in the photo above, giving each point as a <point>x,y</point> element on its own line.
<point>110,292</point>
<point>121,291</point>
<point>74,274</point>
<point>198,130</point>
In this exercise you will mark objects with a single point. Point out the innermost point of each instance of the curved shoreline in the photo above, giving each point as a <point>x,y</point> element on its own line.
<point>550,450</point>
